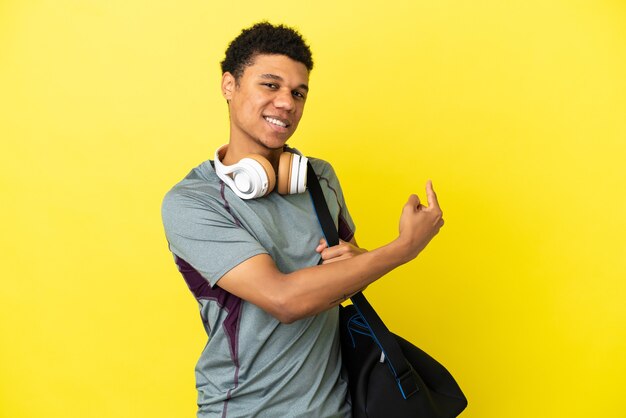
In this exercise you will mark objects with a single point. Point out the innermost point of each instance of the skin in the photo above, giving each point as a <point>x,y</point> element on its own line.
<point>276,86</point>
<point>273,86</point>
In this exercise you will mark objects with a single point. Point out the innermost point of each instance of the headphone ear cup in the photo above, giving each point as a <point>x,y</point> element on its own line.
<point>267,168</point>
<point>302,170</point>
<point>284,172</point>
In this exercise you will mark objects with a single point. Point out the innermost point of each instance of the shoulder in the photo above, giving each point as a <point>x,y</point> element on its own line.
<point>198,190</point>
<point>322,168</point>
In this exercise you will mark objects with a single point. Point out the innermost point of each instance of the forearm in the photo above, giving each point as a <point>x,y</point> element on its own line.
<point>315,289</point>
<point>306,292</point>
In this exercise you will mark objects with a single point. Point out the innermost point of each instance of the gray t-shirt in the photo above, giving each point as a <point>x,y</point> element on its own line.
<point>253,365</point>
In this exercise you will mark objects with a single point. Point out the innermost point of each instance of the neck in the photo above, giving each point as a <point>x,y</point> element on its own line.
<point>235,152</point>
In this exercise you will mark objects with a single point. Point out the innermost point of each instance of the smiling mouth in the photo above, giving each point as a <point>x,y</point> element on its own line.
<point>278,122</point>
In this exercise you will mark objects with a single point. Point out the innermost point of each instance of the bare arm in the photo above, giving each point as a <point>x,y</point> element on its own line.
<point>311,290</point>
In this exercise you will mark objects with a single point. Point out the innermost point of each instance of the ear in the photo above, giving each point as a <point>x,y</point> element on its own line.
<point>228,85</point>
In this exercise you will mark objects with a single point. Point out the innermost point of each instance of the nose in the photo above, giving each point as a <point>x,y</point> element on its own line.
<point>284,100</point>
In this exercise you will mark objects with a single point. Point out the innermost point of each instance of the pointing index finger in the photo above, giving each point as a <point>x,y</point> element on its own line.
<point>431,195</point>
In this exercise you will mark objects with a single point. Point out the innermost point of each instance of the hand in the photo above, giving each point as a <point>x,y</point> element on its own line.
<point>418,223</point>
<point>341,251</point>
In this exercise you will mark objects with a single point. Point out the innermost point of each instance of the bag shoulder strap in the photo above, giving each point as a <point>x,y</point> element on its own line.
<point>321,208</point>
<point>386,341</point>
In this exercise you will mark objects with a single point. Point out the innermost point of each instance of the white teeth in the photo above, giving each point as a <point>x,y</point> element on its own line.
<point>276,122</point>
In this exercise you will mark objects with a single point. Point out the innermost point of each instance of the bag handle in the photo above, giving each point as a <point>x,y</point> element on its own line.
<point>398,365</point>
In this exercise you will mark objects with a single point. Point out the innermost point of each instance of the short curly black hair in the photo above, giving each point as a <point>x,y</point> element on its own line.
<point>265,38</point>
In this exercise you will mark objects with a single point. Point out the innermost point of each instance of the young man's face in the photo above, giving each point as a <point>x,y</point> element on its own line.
<point>267,102</point>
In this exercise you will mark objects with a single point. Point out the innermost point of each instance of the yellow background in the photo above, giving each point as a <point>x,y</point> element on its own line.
<point>516,110</point>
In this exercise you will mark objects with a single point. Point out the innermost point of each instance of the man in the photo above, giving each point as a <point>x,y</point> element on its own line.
<point>269,310</point>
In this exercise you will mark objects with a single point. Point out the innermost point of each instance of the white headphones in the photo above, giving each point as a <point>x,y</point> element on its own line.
<point>253,176</point>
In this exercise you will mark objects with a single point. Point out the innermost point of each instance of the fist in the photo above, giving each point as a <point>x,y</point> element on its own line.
<point>418,223</point>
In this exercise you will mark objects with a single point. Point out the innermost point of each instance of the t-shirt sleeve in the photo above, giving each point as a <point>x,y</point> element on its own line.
<point>205,235</point>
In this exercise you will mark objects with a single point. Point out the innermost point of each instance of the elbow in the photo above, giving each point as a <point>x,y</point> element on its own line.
<point>286,319</point>
<point>287,303</point>
<point>289,310</point>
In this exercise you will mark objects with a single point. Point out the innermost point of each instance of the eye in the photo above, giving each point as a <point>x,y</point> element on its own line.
<point>272,86</point>
<point>298,95</point>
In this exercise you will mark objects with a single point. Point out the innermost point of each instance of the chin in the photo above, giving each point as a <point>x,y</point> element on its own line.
<point>274,144</point>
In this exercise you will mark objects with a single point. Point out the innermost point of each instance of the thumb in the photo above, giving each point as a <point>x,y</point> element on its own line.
<point>413,202</point>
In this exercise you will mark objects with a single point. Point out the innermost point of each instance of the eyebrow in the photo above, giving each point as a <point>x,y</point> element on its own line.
<point>279,78</point>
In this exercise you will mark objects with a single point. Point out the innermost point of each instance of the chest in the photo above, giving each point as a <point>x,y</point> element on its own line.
<point>287,227</point>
